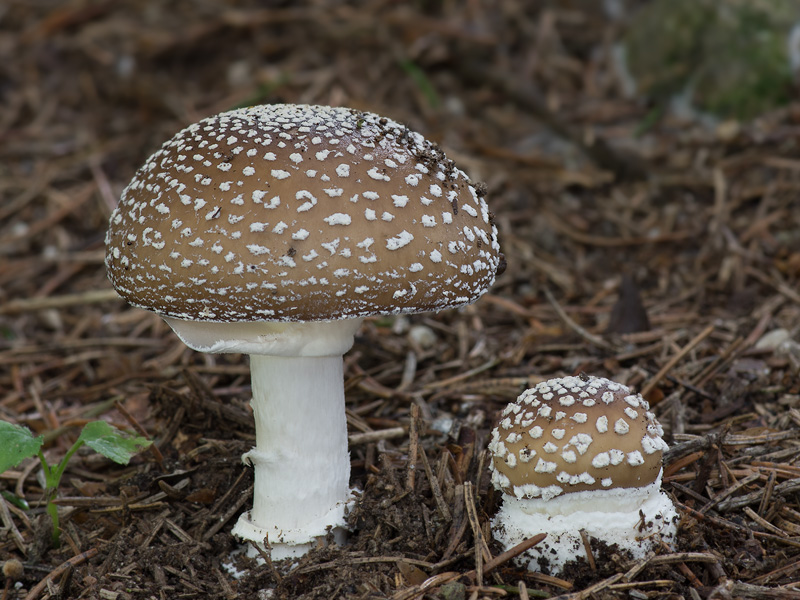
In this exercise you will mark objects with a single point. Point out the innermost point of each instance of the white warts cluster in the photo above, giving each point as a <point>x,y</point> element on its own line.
<point>580,431</point>
<point>270,190</point>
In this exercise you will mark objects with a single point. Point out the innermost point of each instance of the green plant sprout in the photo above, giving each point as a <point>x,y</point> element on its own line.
<point>18,443</point>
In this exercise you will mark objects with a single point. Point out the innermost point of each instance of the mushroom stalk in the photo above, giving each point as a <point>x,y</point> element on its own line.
<point>301,461</point>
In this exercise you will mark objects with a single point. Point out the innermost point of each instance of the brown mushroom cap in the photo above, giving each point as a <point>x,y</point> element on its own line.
<point>296,213</point>
<point>575,434</point>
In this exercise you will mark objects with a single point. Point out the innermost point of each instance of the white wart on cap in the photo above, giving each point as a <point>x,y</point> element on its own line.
<point>579,454</point>
<point>298,213</point>
<point>572,435</point>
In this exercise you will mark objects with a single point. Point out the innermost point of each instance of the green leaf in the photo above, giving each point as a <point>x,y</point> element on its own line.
<point>16,500</point>
<point>111,442</point>
<point>16,444</point>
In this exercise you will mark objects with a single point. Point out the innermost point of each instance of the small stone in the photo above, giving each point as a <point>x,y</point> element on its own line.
<point>772,339</point>
<point>422,336</point>
<point>453,591</point>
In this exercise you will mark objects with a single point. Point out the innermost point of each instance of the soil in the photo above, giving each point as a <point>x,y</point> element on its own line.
<point>660,251</point>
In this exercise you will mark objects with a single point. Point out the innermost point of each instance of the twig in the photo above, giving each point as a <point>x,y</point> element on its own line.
<point>648,387</point>
<point>513,552</point>
<point>413,445</point>
<point>588,549</point>
<point>589,337</point>
<point>358,560</point>
<point>69,564</point>
<point>211,531</point>
<point>481,549</point>
<point>742,591</point>
<point>591,590</point>
<point>763,438</point>
<point>763,522</point>
<point>229,592</point>
<point>689,574</point>
<point>666,559</point>
<point>461,377</point>
<point>769,488</point>
<point>701,378</point>
<point>488,567</point>
<point>267,556</point>
<point>781,287</point>
<point>43,303</point>
<point>218,504</point>
<point>484,591</point>
<point>356,439</point>
<point>726,493</point>
<point>459,523</point>
<point>637,584</point>
<point>8,522</point>
<point>436,489</point>
<point>780,571</point>
<point>782,489</point>
<point>409,371</point>
<point>435,581</point>
<point>697,445</point>
<point>740,528</point>
<point>75,199</point>
<point>676,465</point>
<point>616,242</point>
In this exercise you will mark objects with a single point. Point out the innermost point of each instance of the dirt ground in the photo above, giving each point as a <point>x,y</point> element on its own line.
<point>660,252</point>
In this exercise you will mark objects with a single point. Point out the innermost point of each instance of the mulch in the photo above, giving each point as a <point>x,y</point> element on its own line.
<point>663,253</point>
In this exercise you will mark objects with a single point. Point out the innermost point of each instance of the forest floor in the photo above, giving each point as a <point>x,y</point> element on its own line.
<point>605,204</point>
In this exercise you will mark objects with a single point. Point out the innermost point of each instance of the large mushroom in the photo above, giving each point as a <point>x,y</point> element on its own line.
<point>579,454</point>
<point>273,231</point>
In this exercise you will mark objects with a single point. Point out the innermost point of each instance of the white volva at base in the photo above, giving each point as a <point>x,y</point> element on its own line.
<point>292,543</point>
<point>612,516</point>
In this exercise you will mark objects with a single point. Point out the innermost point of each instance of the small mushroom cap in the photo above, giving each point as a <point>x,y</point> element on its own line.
<point>575,434</point>
<point>300,213</point>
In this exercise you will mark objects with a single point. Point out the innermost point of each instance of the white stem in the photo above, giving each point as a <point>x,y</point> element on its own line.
<point>301,460</point>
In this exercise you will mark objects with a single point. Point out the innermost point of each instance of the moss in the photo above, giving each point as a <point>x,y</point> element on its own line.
<point>746,69</point>
<point>663,42</point>
<point>731,57</point>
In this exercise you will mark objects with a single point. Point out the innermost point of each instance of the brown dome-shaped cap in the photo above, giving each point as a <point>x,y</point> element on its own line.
<point>575,434</point>
<point>296,213</point>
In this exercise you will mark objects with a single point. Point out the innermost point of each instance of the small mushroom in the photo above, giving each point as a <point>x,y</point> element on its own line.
<point>579,453</point>
<point>273,231</point>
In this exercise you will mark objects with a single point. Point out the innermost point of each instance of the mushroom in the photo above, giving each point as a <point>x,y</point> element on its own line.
<point>579,453</point>
<point>273,231</point>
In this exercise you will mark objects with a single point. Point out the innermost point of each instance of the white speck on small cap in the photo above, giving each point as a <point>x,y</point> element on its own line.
<point>250,169</point>
<point>585,451</point>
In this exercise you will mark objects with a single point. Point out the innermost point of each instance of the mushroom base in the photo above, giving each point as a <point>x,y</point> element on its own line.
<point>296,542</point>
<point>646,518</point>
